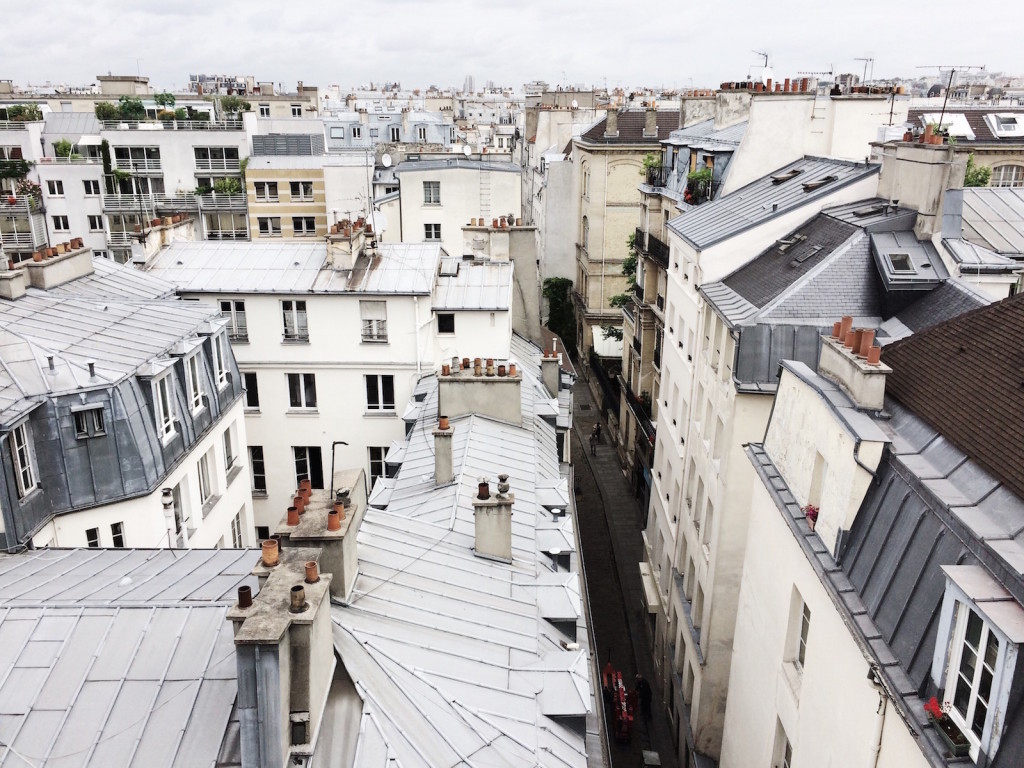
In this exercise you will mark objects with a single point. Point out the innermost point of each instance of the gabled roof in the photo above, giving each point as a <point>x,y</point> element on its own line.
<point>453,654</point>
<point>800,183</point>
<point>631,128</point>
<point>111,653</point>
<point>993,217</point>
<point>964,377</point>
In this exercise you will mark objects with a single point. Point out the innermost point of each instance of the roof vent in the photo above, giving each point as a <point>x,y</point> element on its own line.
<point>785,245</point>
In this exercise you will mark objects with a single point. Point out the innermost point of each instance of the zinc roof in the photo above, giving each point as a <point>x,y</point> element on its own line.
<point>993,217</point>
<point>452,653</point>
<point>281,266</point>
<point>117,657</point>
<point>766,198</point>
<point>478,285</point>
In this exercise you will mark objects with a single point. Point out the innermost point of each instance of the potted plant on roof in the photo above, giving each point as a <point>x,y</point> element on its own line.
<point>950,732</point>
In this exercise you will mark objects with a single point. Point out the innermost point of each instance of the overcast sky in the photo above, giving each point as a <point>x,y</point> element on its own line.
<point>423,42</point>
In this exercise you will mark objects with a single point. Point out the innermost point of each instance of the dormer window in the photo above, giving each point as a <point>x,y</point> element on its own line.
<point>981,626</point>
<point>193,383</point>
<point>220,360</point>
<point>163,407</point>
<point>89,421</point>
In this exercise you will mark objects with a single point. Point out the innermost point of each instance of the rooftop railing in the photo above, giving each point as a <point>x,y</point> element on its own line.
<point>172,125</point>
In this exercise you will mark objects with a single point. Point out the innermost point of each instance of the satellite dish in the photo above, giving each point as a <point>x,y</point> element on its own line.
<point>385,160</point>
<point>467,150</point>
<point>575,104</point>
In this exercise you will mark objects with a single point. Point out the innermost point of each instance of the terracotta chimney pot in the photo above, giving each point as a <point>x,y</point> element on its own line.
<point>867,339</point>
<point>293,515</point>
<point>443,423</point>
<point>270,553</point>
<point>835,328</point>
<point>312,572</point>
<point>333,520</point>
<point>245,596</point>
<point>874,355</point>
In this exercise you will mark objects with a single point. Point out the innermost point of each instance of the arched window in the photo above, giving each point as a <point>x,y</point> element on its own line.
<point>585,237</point>
<point>586,180</point>
<point>1007,176</point>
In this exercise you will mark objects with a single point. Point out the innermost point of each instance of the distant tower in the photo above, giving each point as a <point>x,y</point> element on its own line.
<point>469,86</point>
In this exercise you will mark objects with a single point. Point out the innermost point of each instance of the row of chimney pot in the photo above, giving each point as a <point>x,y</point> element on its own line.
<point>787,86</point>
<point>502,222</point>
<point>483,489</point>
<point>166,221</point>
<point>347,228</point>
<point>271,557</point>
<point>478,368</point>
<point>859,341</point>
<point>74,244</point>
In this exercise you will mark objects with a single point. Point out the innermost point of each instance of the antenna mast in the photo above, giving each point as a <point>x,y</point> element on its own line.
<point>867,60</point>
<point>952,71</point>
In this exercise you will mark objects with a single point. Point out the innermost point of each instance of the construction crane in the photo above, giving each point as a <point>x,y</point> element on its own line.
<point>867,60</point>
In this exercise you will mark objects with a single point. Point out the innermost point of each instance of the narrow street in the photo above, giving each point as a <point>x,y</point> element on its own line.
<point>611,523</point>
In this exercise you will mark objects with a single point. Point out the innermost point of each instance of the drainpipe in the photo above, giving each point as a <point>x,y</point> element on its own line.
<point>876,738</point>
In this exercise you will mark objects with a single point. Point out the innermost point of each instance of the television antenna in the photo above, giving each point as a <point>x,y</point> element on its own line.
<point>953,69</point>
<point>867,60</point>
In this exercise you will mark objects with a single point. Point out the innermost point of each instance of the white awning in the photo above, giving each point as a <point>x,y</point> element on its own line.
<point>89,140</point>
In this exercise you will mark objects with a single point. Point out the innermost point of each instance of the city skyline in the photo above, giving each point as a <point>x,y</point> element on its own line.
<point>567,44</point>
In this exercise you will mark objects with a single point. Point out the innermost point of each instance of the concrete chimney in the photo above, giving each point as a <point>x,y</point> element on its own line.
<point>444,462</point>
<point>464,391</point>
<point>611,124</point>
<point>849,361</point>
<point>492,514</point>
<point>550,373</point>
<point>285,660</point>
<point>651,123</point>
<point>338,555</point>
<point>918,175</point>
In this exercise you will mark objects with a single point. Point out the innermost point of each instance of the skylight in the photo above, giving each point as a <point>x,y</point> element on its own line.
<point>810,186</point>
<point>786,176</point>
<point>901,263</point>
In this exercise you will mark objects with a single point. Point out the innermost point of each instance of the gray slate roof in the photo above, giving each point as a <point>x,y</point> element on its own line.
<point>764,199</point>
<point>974,258</point>
<point>480,285</point>
<point>118,657</point>
<point>283,266</point>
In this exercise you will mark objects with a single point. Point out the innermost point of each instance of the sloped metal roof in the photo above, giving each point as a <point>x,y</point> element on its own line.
<point>452,653</point>
<point>118,657</point>
<point>765,198</point>
<point>479,285</point>
<point>993,217</point>
<point>973,257</point>
<point>289,266</point>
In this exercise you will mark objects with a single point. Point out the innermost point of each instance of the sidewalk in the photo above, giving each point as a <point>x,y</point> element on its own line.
<point>611,523</point>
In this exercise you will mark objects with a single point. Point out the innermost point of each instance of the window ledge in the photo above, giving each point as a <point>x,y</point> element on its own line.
<point>794,677</point>
<point>251,411</point>
<point>260,494</point>
<point>208,506</point>
<point>302,412</point>
<point>233,471</point>
<point>374,341</point>
<point>296,340</point>
<point>380,414</point>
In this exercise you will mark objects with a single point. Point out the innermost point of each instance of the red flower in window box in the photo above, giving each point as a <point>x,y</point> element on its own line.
<point>811,513</point>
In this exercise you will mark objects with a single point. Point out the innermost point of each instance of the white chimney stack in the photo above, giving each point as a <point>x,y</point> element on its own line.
<point>493,521</point>
<point>444,463</point>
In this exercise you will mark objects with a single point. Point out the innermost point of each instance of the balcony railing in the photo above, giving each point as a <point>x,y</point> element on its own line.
<point>20,240</point>
<point>640,239</point>
<point>23,205</point>
<point>657,250</point>
<point>655,177</point>
<point>69,160</point>
<point>217,164</point>
<point>227,234</point>
<point>141,164</point>
<point>216,202</point>
<point>638,291</point>
<point>636,344</point>
<point>13,125</point>
<point>173,125</point>
<point>149,203</point>
<point>117,237</point>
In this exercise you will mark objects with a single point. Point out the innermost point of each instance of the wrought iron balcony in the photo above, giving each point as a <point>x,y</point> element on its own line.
<point>657,250</point>
<point>655,177</point>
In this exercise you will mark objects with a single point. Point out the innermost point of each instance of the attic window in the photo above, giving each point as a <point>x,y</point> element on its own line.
<point>1006,122</point>
<point>810,186</point>
<point>786,176</point>
<point>785,245</point>
<point>801,258</point>
<point>900,262</point>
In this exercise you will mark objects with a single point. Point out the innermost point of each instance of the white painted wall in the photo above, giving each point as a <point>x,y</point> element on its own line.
<point>74,203</point>
<point>477,334</point>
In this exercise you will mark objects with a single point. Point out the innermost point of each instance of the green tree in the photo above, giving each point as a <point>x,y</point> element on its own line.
<point>558,292</point>
<point>232,105</point>
<point>24,113</point>
<point>107,111</point>
<point>227,186</point>
<point>165,100</point>
<point>976,175</point>
<point>621,300</point>
<point>131,108</point>
<point>63,148</point>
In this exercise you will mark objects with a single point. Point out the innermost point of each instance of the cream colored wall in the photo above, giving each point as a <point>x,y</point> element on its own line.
<point>829,709</point>
<point>286,208</point>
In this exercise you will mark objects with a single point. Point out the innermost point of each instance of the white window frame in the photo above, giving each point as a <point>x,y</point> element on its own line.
<point>295,320</point>
<point>236,531</point>
<point>205,478</point>
<point>304,193</point>
<point>264,110</point>
<point>92,538</point>
<point>163,406</point>
<point>381,406</point>
<point>445,314</point>
<point>296,110</point>
<point>301,384</point>
<point>23,453</point>
<point>89,423</point>
<point>269,226</point>
<point>304,226</point>
<point>421,133</point>
<point>266,191</point>
<point>220,360</point>
<point>60,223</point>
<point>1007,175</point>
<point>337,132</point>
<point>117,540</point>
<point>194,383</point>
<point>89,185</point>
<point>432,233</point>
<point>95,222</point>
<point>373,316</point>
<point>357,132</point>
<point>257,470</point>
<point>396,133</point>
<point>234,311</point>
<point>375,456</point>
<point>431,192</point>
<point>54,188</point>
<point>251,400</point>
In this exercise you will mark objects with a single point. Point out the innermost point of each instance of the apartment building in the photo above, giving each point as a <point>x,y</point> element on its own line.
<point>305,195</point>
<point>123,413</point>
<point>885,506</point>
<point>390,129</point>
<point>437,197</point>
<point>331,338</point>
<point>992,135</point>
<point>607,163</point>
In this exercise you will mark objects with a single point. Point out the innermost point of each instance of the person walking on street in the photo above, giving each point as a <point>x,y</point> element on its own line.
<point>643,692</point>
<point>597,431</point>
<point>593,444</point>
